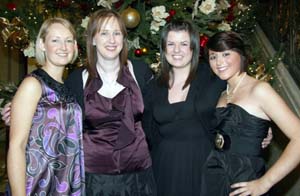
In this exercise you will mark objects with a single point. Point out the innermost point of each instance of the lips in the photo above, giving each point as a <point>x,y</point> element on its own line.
<point>111,48</point>
<point>177,57</point>
<point>222,68</point>
<point>62,54</point>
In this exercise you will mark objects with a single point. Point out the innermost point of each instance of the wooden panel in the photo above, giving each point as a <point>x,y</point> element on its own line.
<point>13,64</point>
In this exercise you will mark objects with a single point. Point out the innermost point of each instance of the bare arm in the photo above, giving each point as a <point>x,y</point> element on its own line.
<point>24,102</point>
<point>274,107</point>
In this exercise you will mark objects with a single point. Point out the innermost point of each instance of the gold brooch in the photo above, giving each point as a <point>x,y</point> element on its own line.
<point>219,141</point>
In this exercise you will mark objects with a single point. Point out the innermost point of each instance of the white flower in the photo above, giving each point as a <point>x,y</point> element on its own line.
<point>134,43</point>
<point>159,13</point>
<point>162,23</point>
<point>207,6</point>
<point>223,5</point>
<point>224,26</point>
<point>30,50</point>
<point>85,21</point>
<point>154,28</point>
<point>105,3</point>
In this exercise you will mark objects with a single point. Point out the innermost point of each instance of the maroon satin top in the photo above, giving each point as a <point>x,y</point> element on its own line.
<point>114,141</point>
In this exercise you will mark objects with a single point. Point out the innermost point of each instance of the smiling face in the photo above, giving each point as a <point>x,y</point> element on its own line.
<point>225,64</point>
<point>109,40</point>
<point>178,49</point>
<point>59,45</point>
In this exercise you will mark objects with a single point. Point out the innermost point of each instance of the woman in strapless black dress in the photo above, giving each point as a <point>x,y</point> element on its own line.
<point>244,110</point>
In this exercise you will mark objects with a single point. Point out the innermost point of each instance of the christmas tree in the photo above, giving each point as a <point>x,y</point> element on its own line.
<point>143,19</point>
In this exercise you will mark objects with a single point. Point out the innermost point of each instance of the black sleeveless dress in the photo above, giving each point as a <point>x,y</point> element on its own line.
<point>240,159</point>
<point>178,133</point>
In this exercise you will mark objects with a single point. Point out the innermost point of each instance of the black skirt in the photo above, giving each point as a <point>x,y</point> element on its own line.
<point>130,184</point>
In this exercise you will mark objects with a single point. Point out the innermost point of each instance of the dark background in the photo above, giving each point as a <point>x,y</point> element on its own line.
<point>280,21</point>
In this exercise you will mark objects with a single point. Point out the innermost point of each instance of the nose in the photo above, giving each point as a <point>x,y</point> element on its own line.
<point>176,48</point>
<point>112,38</point>
<point>63,45</point>
<point>219,60</point>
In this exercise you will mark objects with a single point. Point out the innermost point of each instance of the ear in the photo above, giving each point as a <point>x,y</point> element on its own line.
<point>41,45</point>
<point>75,44</point>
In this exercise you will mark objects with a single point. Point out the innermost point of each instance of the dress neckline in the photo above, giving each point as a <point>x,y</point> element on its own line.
<point>241,109</point>
<point>62,91</point>
<point>46,76</point>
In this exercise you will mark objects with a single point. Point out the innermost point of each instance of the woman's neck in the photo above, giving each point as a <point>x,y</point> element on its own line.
<point>55,72</point>
<point>108,66</point>
<point>108,70</point>
<point>235,80</point>
<point>179,76</point>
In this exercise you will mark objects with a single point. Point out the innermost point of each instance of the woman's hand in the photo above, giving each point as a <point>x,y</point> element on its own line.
<point>251,188</point>
<point>268,139</point>
<point>5,113</point>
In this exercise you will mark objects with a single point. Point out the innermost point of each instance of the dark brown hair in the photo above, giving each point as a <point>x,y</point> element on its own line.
<point>166,68</point>
<point>96,21</point>
<point>228,40</point>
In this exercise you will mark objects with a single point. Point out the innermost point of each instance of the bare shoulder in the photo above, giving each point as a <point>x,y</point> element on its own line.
<point>269,100</point>
<point>262,89</point>
<point>30,82</point>
<point>30,86</point>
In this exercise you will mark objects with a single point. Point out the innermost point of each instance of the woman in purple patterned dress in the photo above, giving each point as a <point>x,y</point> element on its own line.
<point>45,154</point>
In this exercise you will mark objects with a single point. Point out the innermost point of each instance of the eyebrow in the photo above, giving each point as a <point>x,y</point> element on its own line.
<point>181,41</point>
<point>57,36</point>
<point>110,30</point>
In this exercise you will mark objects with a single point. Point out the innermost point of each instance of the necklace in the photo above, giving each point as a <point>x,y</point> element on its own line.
<point>229,94</point>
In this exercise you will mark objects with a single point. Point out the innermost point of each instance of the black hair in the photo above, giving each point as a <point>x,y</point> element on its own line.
<point>228,40</point>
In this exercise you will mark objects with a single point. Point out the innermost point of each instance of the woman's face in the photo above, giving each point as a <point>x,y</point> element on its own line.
<point>178,52</point>
<point>109,40</point>
<point>59,45</point>
<point>225,64</point>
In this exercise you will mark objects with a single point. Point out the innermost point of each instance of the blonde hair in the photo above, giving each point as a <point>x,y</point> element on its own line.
<point>44,30</point>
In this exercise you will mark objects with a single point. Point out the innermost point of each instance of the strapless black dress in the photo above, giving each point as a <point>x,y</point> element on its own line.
<point>240,159</point>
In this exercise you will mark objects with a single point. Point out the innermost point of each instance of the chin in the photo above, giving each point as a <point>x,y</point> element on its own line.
<point>111,56</point>
<point>222,76</point>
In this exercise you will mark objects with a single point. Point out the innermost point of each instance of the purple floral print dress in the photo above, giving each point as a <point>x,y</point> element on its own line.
<point>54,154</point>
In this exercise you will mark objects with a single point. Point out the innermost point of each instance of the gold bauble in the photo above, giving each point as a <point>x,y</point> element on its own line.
<point>144,50</point>
<point>131,17</point>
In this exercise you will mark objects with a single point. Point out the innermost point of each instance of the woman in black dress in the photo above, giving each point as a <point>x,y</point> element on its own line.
<point>243,114</point>
<point>179,106</point>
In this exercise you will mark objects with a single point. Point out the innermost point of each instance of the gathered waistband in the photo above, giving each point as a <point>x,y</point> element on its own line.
<point>238,144</point>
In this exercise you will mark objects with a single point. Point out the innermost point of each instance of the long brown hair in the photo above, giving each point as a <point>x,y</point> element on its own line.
<point>166,68</point>
<point>96,21</point>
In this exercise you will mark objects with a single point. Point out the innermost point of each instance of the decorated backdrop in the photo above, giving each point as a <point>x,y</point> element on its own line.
<point>144,20</point>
